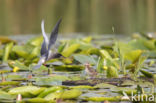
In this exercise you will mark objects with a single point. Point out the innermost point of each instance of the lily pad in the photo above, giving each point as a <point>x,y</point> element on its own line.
<point>5,40</point>
<point>69,50</point>
<point>54,96</point>
<point>7,51</point>
<point>15,77</point>
<point>18,64</point>
<point>26,91</point>
<point>49,90</point>
<point>53,80</point>
<point>112,72</point>
<point>84,59</point>
<point>104,85</point>
<point>71,94</point>
<point>37,100</point>
<point>9,83</point>
<point>101,99</point>
<point>82,87</point>
<point>6,96</point>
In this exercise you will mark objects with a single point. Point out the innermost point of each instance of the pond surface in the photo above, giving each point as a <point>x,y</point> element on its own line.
<point>104,91</point>
<point>108,89</point>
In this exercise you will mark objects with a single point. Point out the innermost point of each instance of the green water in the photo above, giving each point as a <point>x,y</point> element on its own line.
<point>87,16</point>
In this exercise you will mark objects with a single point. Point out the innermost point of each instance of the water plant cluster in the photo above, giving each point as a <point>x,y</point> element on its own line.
<point>123,67</point>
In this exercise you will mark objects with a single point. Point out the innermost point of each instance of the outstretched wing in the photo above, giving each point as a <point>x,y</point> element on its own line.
<point>44,34</point>
<point>45,43</point>
<point>43,48</point>
<point>54,34</point>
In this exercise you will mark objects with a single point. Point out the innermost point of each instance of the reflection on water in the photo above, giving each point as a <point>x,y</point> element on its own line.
<point>89,16</point>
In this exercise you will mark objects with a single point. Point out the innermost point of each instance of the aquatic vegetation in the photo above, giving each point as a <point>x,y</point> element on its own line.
<point>121,67</point>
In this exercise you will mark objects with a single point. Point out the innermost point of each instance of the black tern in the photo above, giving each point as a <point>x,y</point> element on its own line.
<point>46,53</point>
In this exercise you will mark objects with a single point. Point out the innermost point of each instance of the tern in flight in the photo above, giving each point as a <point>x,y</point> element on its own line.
<point>46,53</point>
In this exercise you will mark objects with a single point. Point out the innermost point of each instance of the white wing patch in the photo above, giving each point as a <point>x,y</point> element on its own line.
<point>44,34</point>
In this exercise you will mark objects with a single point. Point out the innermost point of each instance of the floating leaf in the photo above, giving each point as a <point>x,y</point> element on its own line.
<point>105,54</point>
<point>49,90</point>
<point>123,47</point>
<point>42,69</point>
<point>26,91</point>
<point>67,60</point>
<point>128,83</point>
<point>84,59</point>
<point>92,51</point>
<point>146,73</point>
<point>18,64</point>
<point>150,44</point>
<point>54,96</point>
<point>83,45</point>
<point>112,72</point>
<point>67,94</point>
<point>37,100</point>
<point>101,99</point>
<point>54,80</point>
<point>71,94</point>
<point>34,53</point>
<point>7,51</point>
<point>20,51</point>
<point>127,90</point>
<point>104,85</point>
<point>6,96</point>
<point>37,41</point>
<point>15,77</point>
<point>69,50</point>
<point>9,83</point>
<point>4,71</point>
<point>5,40</point>
<point>26,51</point>
<point>133,55</point>
<point>82,87</point>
